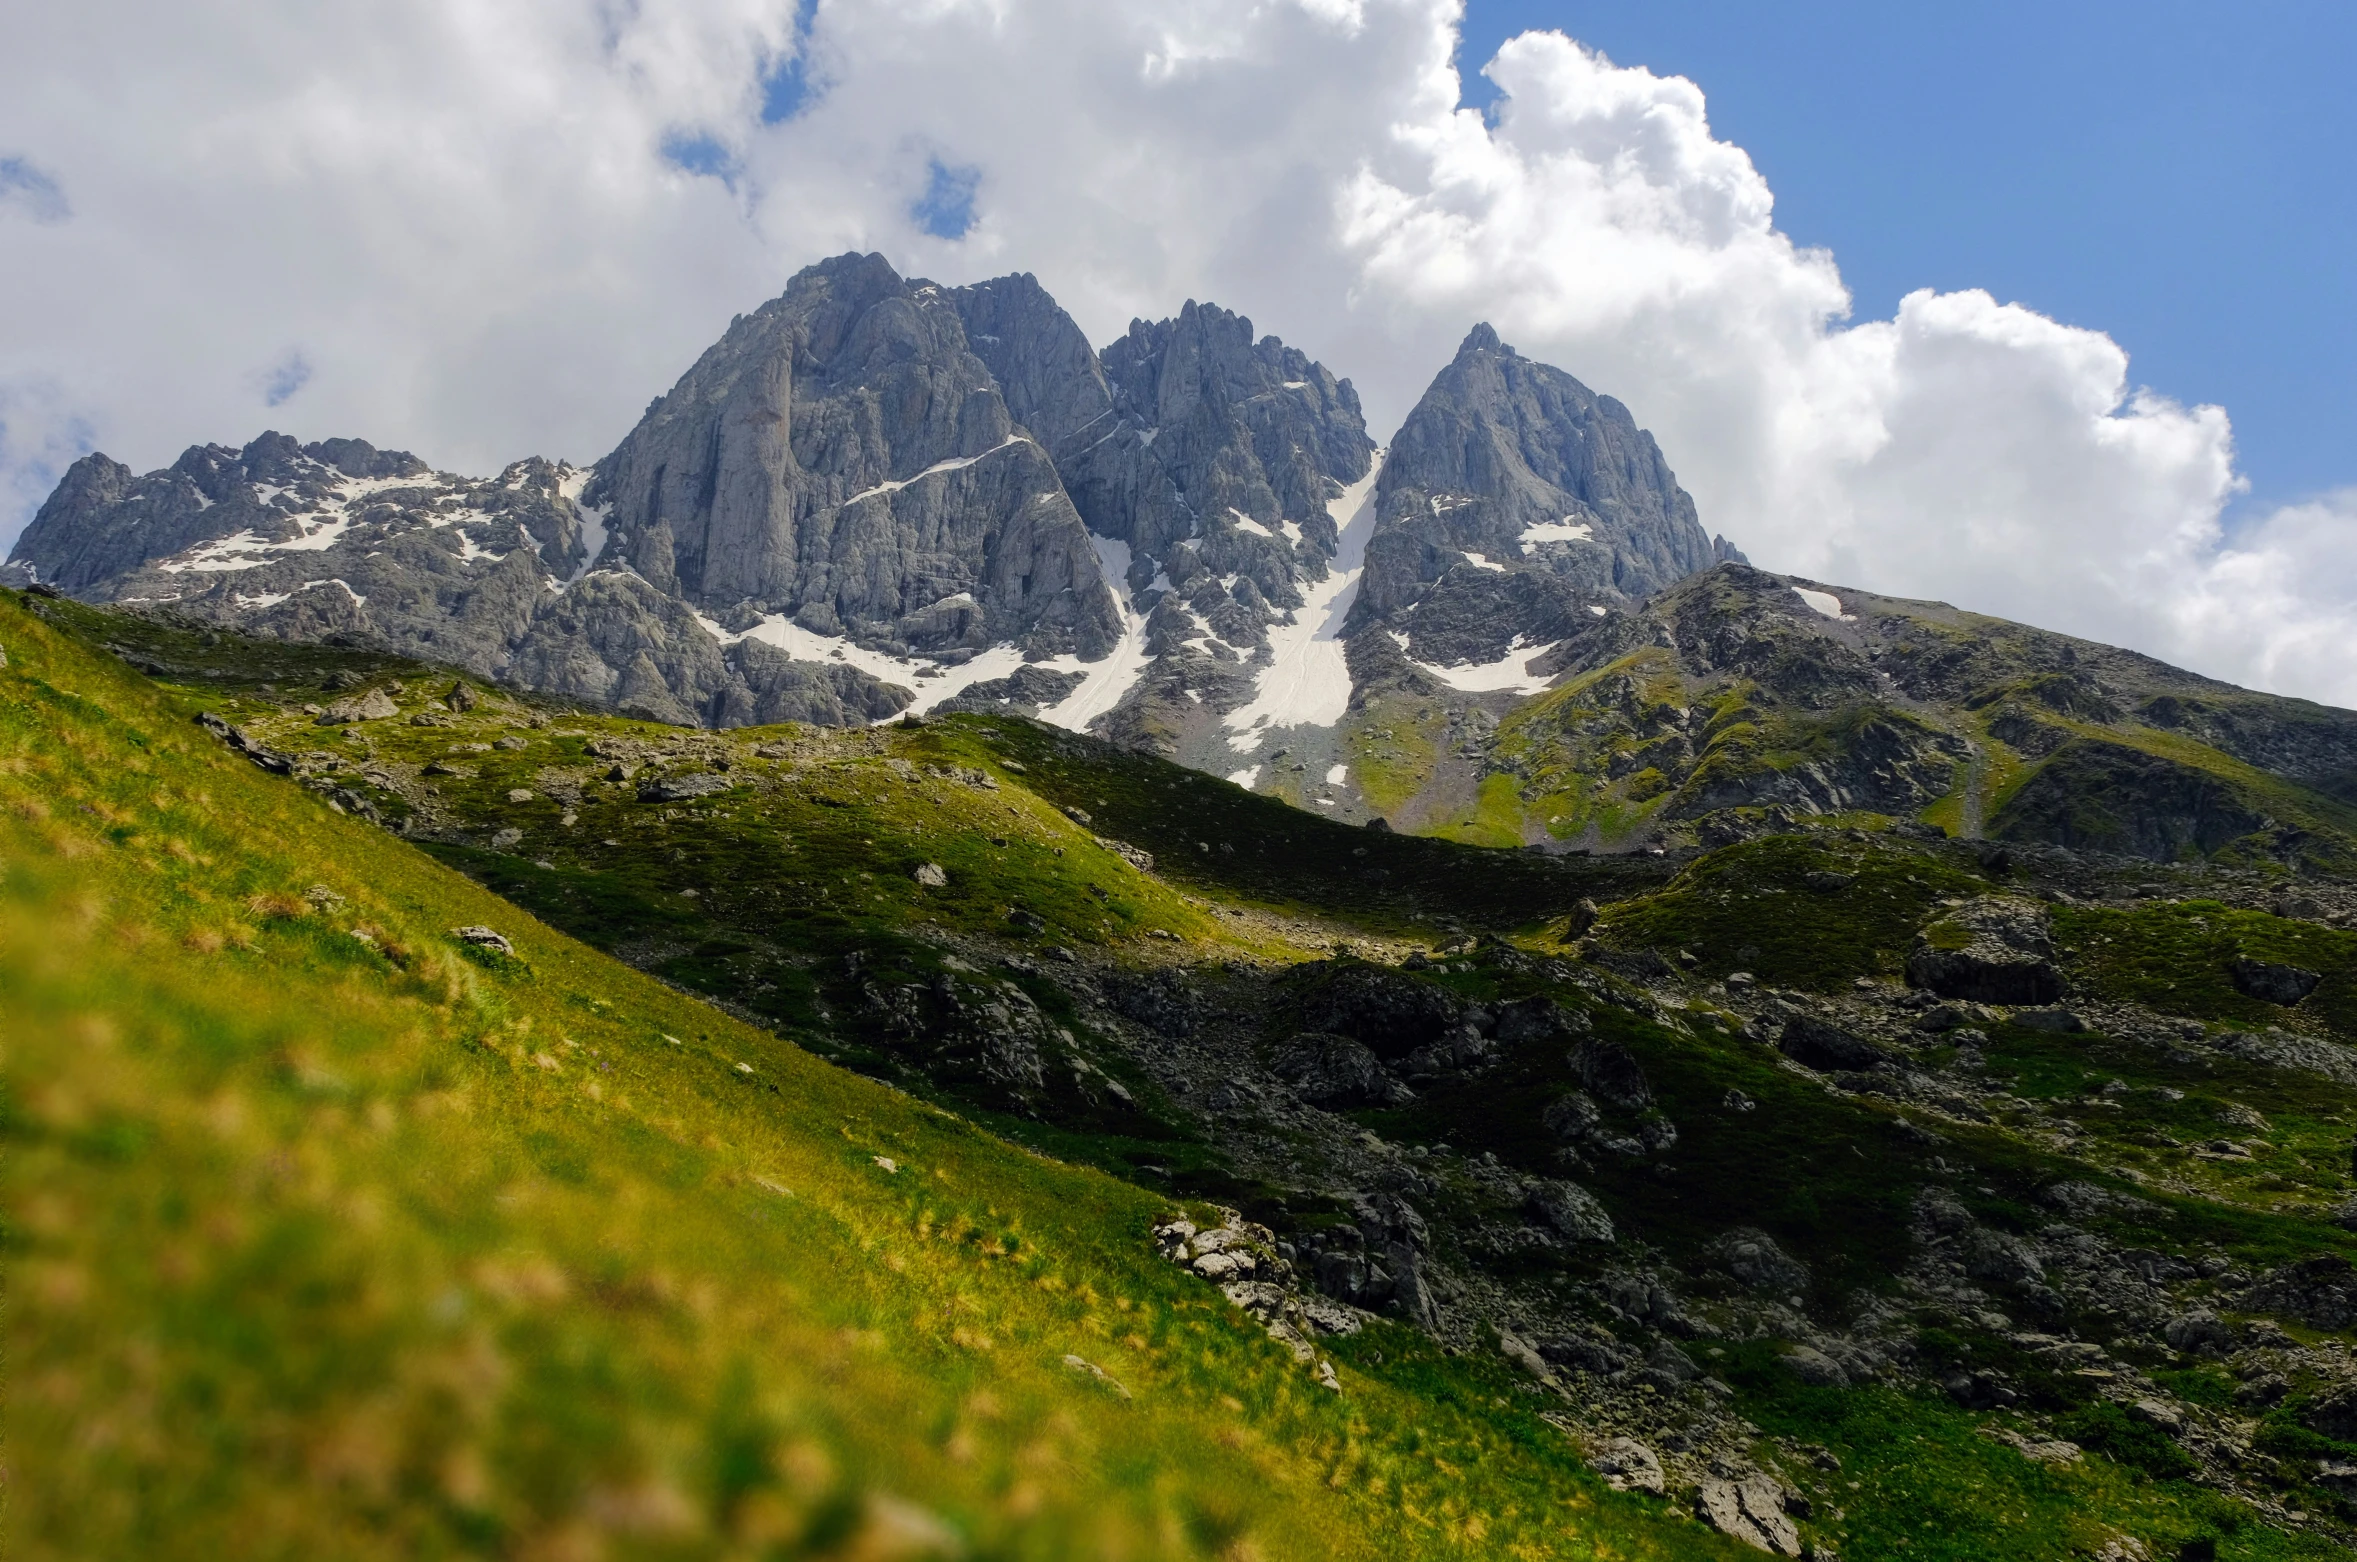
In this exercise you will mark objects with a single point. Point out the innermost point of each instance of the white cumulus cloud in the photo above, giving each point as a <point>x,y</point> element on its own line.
<point>489,230</point>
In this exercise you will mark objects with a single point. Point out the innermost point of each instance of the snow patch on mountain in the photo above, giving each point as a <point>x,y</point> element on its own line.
<point>955,464</point>
<point>1565,530</point>
<point>1110,680</point>
<point>1824,602</point>
<point>1307,680</point>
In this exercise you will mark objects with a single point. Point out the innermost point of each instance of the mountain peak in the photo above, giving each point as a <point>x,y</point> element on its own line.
<point>1483,338</point>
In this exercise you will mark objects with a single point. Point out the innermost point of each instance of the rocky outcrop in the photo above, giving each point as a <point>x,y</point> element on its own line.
<point>614,639</point>
<point>1820,1044</point>
<point>1335,1071</point>
<point>1243,1260</point>
<point>1993,950</point>
<point>1748,1506</point>
<point>2093,795</point>
<point>2320,1292</point>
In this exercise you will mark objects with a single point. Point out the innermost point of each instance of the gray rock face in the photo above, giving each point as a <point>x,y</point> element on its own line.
<point>1392,1014</point>
<point>1514,499</point>
<point>681,789</point>
<point>1628,1465</point>
<point>1749,1508</point>
<point>1823,1045</point>
<point>1207,455</point>
<point>1570,1210</point>
<point>841,457</point>
<point>103,522</point>
<point>1753,1257</point>
<point>1227,430</point>
<point>1608,1069</point>
<point>916,472</point>
<point>331,541</point>
<point>2321,1292</point>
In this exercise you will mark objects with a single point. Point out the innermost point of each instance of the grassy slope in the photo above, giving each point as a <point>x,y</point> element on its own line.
<point>672,1189</point>
<point>323,1246</point>
<point>1753,907</point>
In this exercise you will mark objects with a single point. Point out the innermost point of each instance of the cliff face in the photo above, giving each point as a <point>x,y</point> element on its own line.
<point>841,457</point>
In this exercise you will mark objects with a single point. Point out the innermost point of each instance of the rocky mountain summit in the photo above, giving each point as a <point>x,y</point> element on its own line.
<point>875,493</point>
<point>841,459</point>
<point>1514,502</point>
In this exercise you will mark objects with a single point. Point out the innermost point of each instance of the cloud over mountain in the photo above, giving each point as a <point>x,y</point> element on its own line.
<point>495,231</point>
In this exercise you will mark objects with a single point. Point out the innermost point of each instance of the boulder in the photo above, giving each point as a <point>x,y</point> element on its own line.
<point>2272,983</point>
<point>484,938</point>
<point>1982,1390</point>
<point>1628,1465</point>
<point>2200,1332</point>
<point>375,705</point>
<point>2333,1415</point>
<point>1535,1019</point>
<point>681,789</point>
<point>932,875</point>
<point>1820,1044</point>
<point>1329,1070</point>
<point>1999,1258</point>
<point>1518,1351</point>
<point>1669,1367</point>
<point>1572,1211</point>
<point>1996,949</point>
<point>1753,1257</point>
<point>1813,1367</point>
<point>1609,1070</point>
<point>1572,1115</point>
<point>1748,1508</point>
<point>1589,1349</point>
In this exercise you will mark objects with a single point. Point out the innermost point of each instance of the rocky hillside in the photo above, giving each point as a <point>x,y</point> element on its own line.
<point>1849,1188</point>
<point>875,494</point>
<point>1738,702</point>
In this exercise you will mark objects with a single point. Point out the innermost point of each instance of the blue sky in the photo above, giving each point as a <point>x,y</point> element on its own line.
<point>2181,176</point>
